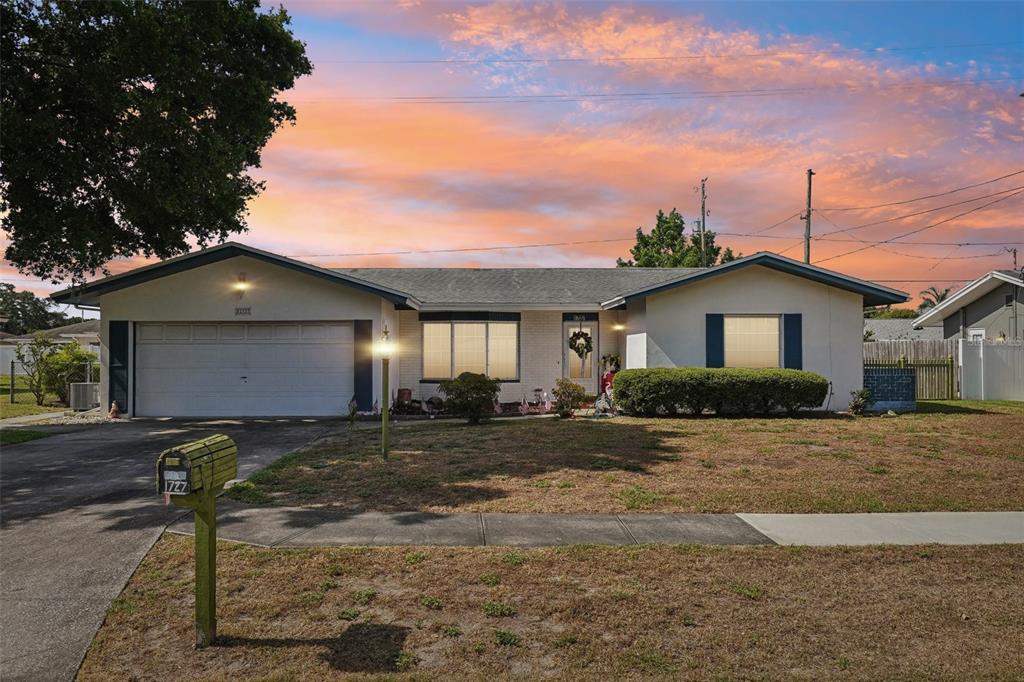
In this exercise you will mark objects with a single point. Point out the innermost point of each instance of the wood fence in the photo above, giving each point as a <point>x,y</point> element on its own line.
<point>918,350</point>
<point>933,361</point>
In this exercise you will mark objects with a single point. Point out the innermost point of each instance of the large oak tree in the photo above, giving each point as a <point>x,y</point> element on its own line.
<point>130,127</point>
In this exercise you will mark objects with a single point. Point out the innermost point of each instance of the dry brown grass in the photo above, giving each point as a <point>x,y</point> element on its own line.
<point>580,613</point>
<point>970,459</point>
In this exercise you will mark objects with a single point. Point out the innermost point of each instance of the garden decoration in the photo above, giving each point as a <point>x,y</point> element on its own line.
<point>603,406</point>
<point>581,343</point>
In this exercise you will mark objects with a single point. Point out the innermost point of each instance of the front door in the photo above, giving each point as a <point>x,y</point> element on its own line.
<point>583,371</point>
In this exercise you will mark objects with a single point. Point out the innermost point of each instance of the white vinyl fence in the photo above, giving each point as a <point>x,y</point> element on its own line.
<point>7,354</point>
<point>991,370</point>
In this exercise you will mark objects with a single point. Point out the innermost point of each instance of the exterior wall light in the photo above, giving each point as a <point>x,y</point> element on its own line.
<point>241,285</point>
<point>618,327</point>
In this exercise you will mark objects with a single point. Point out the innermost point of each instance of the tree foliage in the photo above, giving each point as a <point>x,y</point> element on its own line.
<point>886,312</point>
<point>932,296</point>
<point>668,246</point>
<point>129,127</point>
<point>25,312</point>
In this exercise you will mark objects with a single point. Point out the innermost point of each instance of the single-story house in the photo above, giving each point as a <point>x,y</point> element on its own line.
<point>85,333</point>
<point>991,307</point>
<point>236,331</point>
<point>899,329</point>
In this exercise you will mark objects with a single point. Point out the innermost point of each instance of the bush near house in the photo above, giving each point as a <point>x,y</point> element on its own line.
<point>471,396</point>
<point>569,396</point>
<point>668,391</point>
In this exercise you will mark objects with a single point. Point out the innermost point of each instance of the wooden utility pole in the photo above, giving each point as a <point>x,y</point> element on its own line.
<point>703,221</point>
<point>807,220</point>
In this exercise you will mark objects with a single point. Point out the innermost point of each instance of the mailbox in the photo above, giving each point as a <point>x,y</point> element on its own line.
<point>197,468</point>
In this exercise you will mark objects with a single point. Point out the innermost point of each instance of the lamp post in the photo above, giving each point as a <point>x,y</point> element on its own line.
<point>385,348</point>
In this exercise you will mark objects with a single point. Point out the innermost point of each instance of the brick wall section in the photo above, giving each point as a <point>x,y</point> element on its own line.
<point>892,388</point>
<point>540,352</point>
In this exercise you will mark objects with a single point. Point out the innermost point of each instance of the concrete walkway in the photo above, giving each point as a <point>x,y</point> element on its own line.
<point>300,527</point>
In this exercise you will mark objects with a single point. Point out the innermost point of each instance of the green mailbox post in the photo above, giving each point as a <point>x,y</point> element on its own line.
<point>191,475</point>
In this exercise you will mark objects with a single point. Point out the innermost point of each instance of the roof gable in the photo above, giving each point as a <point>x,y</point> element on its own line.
<point>89,294</point>
<point>970,293</point>
<point>873,294</point>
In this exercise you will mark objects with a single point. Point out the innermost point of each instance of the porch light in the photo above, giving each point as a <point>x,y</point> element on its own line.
<point>618,327</point>
<point>241,285</point>
<point>385,347</point>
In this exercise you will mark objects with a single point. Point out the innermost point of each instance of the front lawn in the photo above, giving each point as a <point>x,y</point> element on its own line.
<point>15,436</point>
<point>930,612</point>
<point>954,457</point>
<point>24,401</point>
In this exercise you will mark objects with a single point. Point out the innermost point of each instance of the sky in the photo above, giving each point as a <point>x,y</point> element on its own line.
<point>457,127</point>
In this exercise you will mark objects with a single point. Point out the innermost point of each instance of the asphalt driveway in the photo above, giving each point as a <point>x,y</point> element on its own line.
<point>78,511</point>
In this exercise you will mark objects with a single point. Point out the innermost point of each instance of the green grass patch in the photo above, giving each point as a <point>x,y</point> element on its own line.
<point>496,609</point>
<point>349,614</point>
<point>364,597</point>
<point>15,436</point>
<point>432,603</point>
<point>635,497</point>
<point>506,638</point>
<point>748,591</point>
<point>513,559</point>
<point>246,492</point>
<point>490,579</point>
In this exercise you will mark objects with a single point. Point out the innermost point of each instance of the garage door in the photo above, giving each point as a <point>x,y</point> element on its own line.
<point>243,370</point>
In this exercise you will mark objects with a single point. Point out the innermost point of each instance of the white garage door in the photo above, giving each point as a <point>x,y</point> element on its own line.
<point>243,370</point>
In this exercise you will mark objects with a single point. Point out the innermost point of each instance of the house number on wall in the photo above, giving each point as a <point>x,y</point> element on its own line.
<point>243,311</point>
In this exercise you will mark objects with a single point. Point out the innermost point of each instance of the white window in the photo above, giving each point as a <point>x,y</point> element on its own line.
<point>752,341</point>
<point>451,348</point>
<point>437,350</point>
<point>976,334</point>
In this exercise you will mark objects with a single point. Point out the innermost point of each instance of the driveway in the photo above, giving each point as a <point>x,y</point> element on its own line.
<point>78,511</point>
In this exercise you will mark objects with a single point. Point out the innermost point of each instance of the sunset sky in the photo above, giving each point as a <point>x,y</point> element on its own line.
<point>429,127</point>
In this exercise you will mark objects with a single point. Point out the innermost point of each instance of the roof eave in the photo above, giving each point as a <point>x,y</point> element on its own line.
<point>874,294</point>
<point>89,294</point>
<point>934,316</point>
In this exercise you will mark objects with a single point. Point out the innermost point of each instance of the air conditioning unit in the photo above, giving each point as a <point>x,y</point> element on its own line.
<point>85,396</point>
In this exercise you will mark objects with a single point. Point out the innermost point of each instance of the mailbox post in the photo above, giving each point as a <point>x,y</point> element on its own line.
<point>192,475</point>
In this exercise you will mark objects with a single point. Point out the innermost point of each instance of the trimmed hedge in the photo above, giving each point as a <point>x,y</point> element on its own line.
<point>693,390</point>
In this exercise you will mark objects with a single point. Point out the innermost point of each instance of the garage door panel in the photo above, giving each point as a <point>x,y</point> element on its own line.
<point>250,369</point>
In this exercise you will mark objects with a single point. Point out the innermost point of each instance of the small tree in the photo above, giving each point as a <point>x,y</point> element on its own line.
<point>471,396</point>
<point>568,396</point>
<point>64,365</point>
<point>33,358</point>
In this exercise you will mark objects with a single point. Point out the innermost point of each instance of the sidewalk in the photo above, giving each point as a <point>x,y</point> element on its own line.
<point>301,527</point>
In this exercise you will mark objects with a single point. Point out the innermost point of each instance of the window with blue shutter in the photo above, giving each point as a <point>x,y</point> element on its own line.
<point>714,339</point>
<point>792,341</point>
<point>117,347</point>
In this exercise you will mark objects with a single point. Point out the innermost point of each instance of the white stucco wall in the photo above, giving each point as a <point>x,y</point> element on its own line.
<point>206,294</point>
<point>832,322</point>
<point>540,352</point>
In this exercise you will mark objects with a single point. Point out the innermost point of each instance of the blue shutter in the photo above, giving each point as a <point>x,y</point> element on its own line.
<point>117,347</point>
<point>714,339</point>
<point>363,369</point>
<point>792,341</point>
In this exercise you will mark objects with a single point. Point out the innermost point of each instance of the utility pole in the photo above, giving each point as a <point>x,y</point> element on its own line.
<point>703,221</point>
<point>1013,252</point>
<point>807,220</point>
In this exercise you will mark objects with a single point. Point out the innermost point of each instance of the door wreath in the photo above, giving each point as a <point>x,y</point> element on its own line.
<point>581,343</point>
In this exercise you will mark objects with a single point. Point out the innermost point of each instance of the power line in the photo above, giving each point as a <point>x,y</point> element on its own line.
<point>719,55</point>
<point>917,213</point>
<point>930,196</point>
<point>922,229</point>
<point>639,96</point>
<point>781,222</point>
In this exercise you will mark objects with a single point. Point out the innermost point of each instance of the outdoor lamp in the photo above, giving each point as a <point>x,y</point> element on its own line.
<point>384,348</point>
<point>618,327</point>
<point>241,285</point>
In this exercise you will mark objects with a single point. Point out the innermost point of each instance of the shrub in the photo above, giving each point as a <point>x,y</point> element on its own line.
<point>568,396</point>
<point>860,401</point>
<point>66,365</point>
<point>669,391</point>
<point>471,396</point>
<point>34,360</point>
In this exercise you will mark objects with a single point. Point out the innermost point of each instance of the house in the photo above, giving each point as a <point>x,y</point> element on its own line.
<point>86,333</point>
<point>899,329</point>
<point>236,331</point>
<point>991,307</point>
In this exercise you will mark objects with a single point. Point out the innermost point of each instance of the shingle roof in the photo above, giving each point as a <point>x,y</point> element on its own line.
<point>900,329</point>
<point>512,286</point>
<point>86,327</point>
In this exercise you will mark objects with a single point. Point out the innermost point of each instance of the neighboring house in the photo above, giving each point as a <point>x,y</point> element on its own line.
<point>991,307</point>
<point>236,331</point>
<point>899,330</point>
<point>86,333</point>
